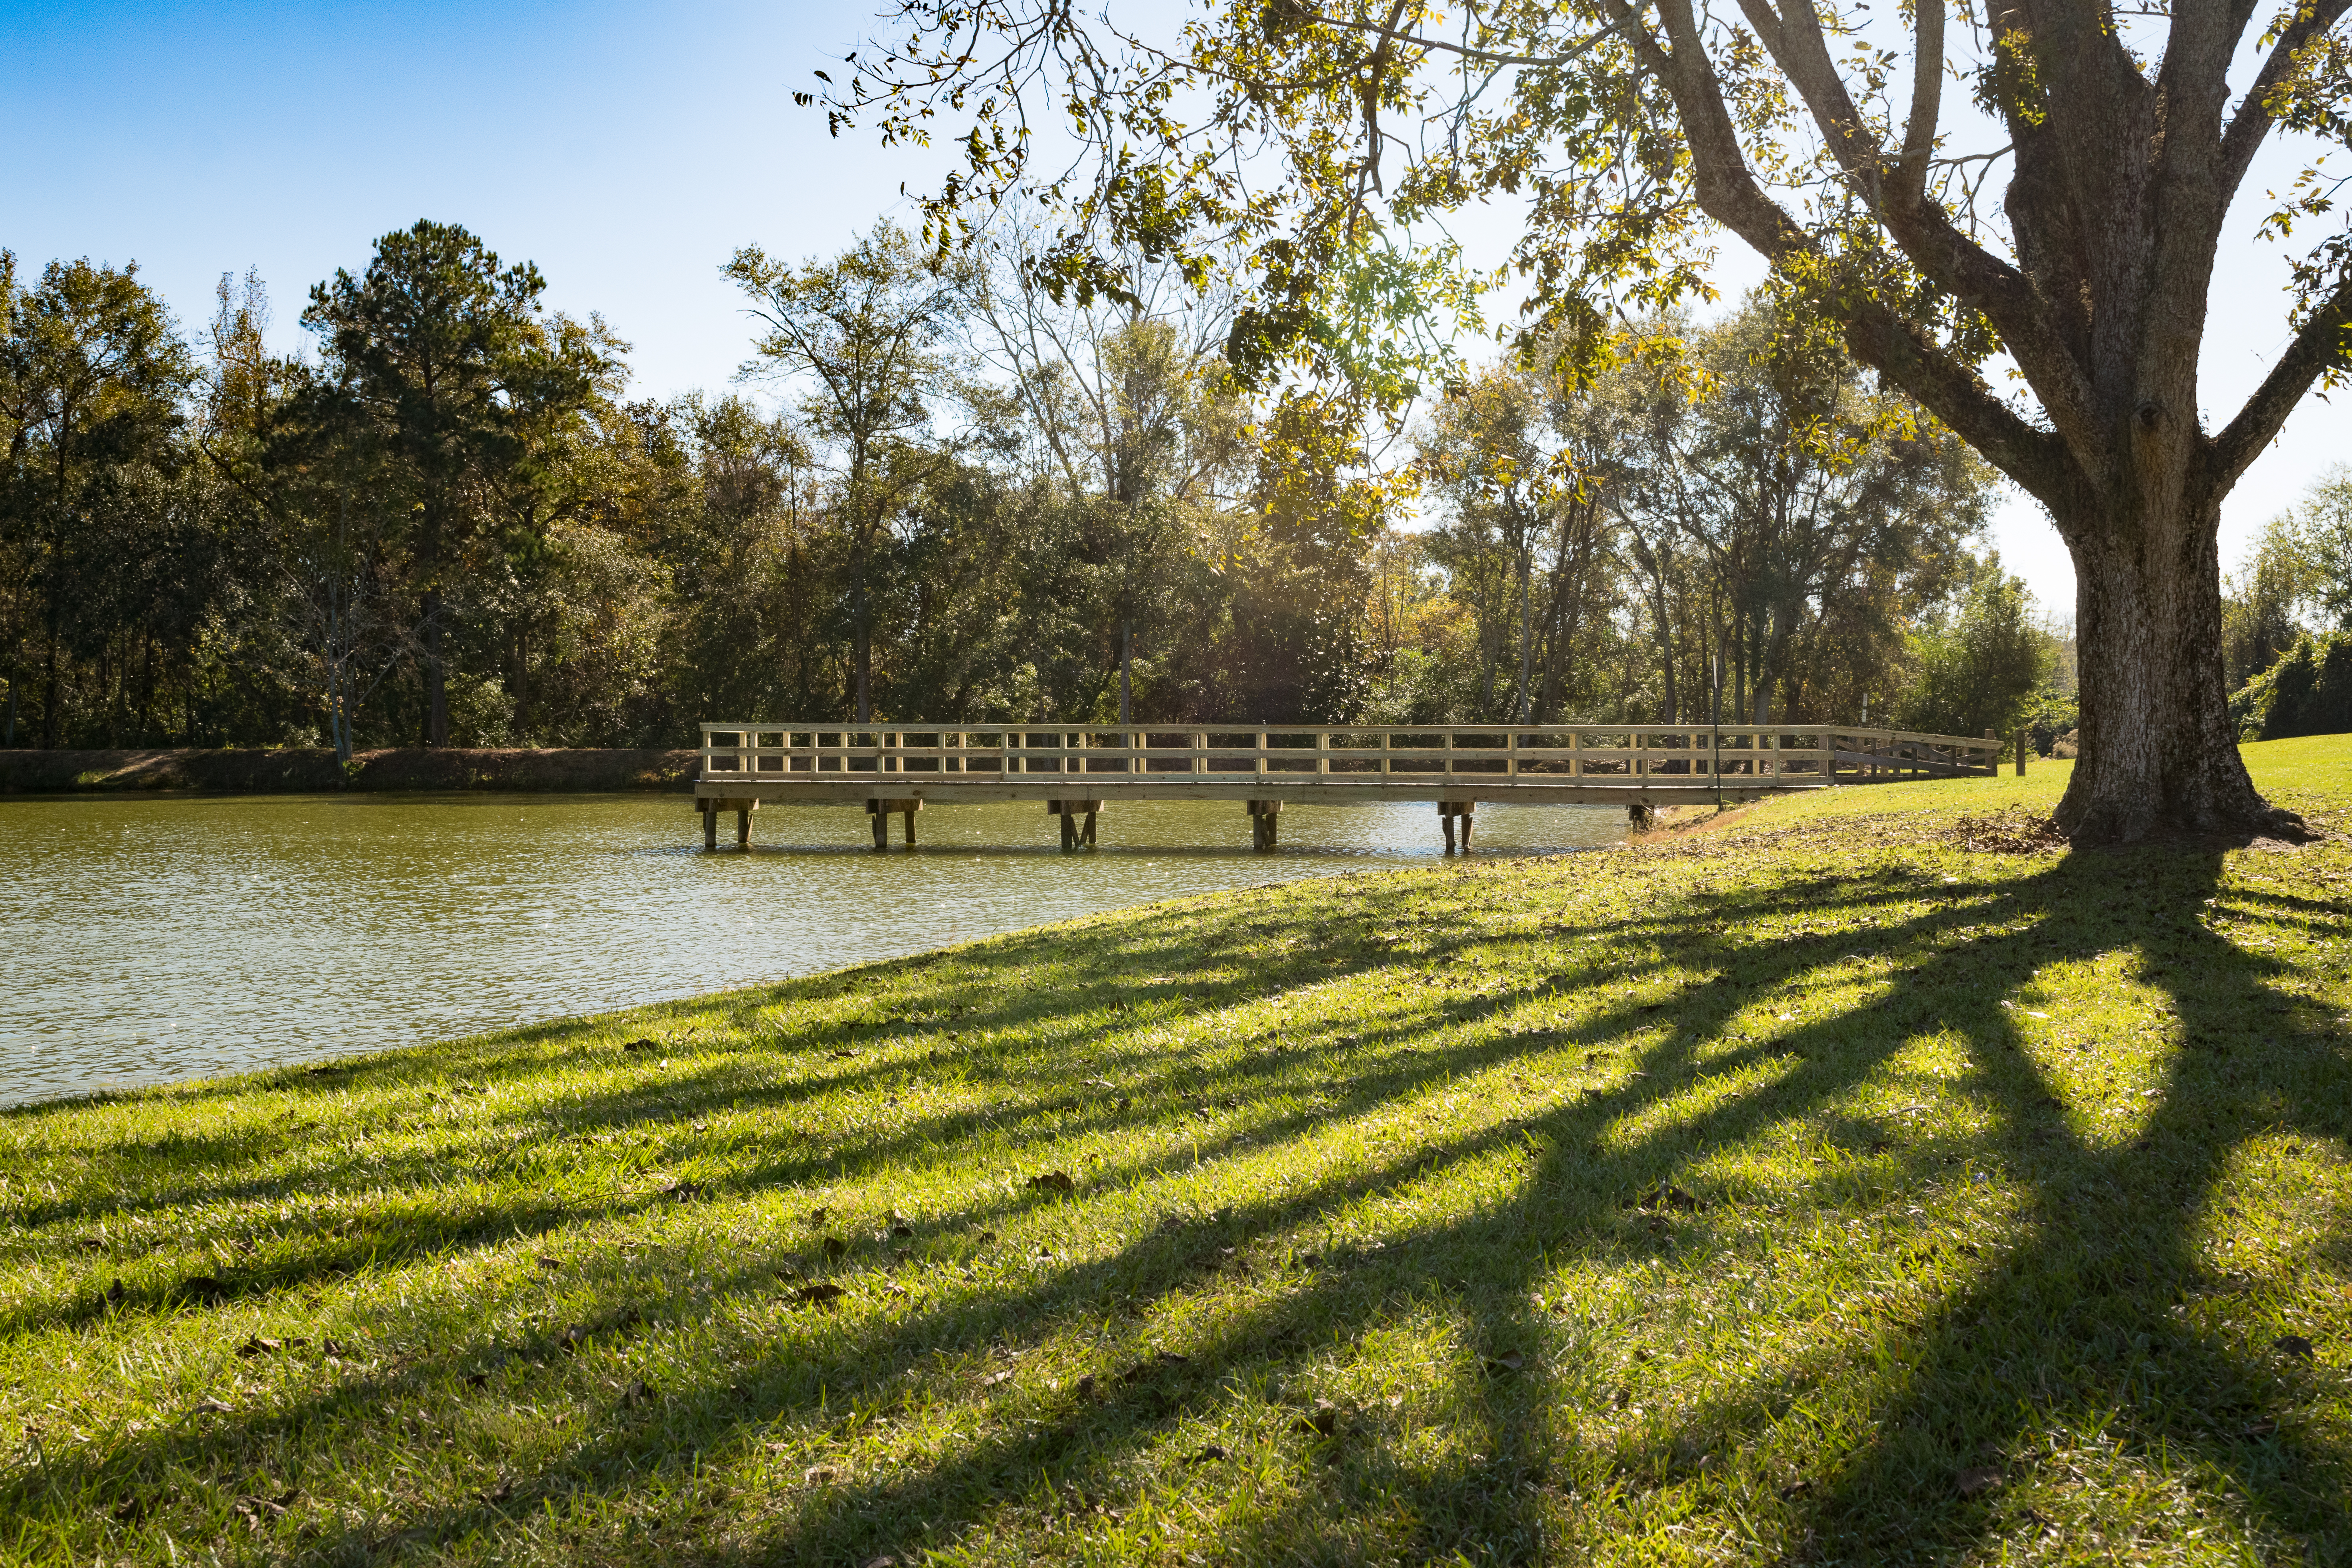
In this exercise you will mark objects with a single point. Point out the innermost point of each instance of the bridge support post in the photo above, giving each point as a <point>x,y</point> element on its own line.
<point>1448,811</point>
<point>1077,822</point>
<point>1265,819</point>
<point>880,811</point>
<point>742,807</point>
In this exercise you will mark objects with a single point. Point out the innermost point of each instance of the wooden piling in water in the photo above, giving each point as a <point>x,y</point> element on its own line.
<point>1077,821</point>
<point>880,809</point>
<point>741,805</point>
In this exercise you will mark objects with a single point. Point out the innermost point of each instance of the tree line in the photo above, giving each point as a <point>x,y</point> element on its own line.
<point>966,493</point>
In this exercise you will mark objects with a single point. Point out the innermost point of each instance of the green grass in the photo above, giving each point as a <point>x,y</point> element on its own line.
<point>1809,1189</point>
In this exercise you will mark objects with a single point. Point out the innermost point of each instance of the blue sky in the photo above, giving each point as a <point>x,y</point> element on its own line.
<point>627,150</point>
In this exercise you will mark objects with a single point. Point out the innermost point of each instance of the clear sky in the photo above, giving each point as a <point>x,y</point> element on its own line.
<point>627,149</point>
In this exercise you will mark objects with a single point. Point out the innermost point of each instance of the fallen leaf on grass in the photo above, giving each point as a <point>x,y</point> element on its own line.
<point>477,1379</point>
<point>500,1493</point>
<point>639,1045</point>
<point>1054,1182</point>
<point>203,1287</point>
<point>116,1295</point>
<point>547,1262</point>
<point>1212,1452</point>
<point>218,1406</point>
<point>995,1378</point>
<point>1664,1196</point>
<point>817,1475</point>
<point>1509,1361</point>
<point>2265,1427</point>
<point>822,1294</point>
<point>1976,1482</point>
<point>2294,1345</point>
<point>817,1216</point>
<point>1795,1489</point>
<point>902,1232</point>
<point>835,1248</point>
<point>636,1391</point>
<point>257,1345</point>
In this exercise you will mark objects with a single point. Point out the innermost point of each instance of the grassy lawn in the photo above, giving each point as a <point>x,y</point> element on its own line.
<point>1811,1188</point>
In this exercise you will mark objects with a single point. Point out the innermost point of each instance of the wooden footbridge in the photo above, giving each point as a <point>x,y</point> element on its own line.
<point>898,769</point>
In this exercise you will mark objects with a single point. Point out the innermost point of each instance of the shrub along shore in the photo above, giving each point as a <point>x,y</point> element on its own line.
<point>1863,1180</point>
<point>316,770</point>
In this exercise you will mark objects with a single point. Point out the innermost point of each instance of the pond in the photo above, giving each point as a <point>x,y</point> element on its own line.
<point>155,938</point>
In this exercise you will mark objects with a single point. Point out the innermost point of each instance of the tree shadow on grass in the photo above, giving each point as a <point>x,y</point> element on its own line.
<point>2059,1319</point>
<point>2087,1324</point>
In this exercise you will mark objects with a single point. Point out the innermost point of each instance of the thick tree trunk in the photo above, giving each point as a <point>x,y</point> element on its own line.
<point>2158,754</point>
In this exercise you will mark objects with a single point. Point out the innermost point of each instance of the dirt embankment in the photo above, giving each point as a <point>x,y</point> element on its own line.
<point>309,772</point>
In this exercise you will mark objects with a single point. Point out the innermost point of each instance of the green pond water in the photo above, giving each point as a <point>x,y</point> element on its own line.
<point>149,940</point>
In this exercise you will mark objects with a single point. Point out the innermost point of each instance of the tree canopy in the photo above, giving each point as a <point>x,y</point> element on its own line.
<point>958,500</point>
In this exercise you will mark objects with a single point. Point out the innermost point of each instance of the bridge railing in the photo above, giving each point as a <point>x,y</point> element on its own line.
<point>784,754</point>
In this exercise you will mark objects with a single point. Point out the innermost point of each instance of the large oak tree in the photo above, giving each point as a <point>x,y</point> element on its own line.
<point>2033,194</point>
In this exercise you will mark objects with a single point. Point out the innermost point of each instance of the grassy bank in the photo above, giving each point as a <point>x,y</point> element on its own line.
<point>1815,1188</point>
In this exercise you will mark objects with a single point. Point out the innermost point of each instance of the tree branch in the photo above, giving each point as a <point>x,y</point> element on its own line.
<point>1924,231</point>
<point>1927,105</point>
<point>2325,343</point>
<point>2253,119</point>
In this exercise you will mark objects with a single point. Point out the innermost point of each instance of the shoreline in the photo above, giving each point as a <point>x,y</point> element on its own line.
<point>407,770</point>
